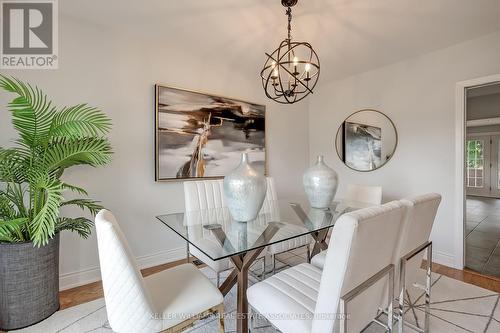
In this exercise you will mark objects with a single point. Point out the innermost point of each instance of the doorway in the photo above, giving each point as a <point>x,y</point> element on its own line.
<point>482,179</point>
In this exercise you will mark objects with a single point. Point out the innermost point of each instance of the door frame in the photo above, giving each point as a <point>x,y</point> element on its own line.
<point>460,163</point>
<point>494,175</point>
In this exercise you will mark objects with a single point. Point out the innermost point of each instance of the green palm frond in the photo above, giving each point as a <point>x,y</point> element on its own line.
<point>91,205</point>
<point>81,225</point>
<point>11,230</point>
<point>80,121</point>
<point>15,194</point>
<point>49,141</point>
<point>13,165</point>
<point>42,226</point>
<point>7,210</point>
<point>32,113</point>
<point>74,188</point>
<point>68,152</point>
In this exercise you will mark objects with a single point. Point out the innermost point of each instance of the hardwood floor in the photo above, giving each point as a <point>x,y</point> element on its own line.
<point>468,276</point>
<point>93,291</point>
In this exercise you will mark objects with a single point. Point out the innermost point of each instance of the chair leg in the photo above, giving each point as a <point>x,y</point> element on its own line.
<point>428,286</point>
<point>220,313</point>
<point>273,258</point>
<point>252,320</point>
<point>343,316</point>
<point>308,254</point>
<point>263,276</point>
<point>218,279</point>
<point>390,297</point>
<point>401,296</point>
<point>187,253</point>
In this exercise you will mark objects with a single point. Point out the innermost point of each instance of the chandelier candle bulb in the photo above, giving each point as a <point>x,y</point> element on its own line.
<point>295,64</point>
<point>308,68</point>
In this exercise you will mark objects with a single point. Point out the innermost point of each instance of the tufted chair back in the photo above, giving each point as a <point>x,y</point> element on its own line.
<point>362,243</point>
<point>128,303</point>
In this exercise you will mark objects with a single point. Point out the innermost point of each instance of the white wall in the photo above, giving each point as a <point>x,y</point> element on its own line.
<point>116,71</point>
<point>481,107</point>
<point>419,96</point>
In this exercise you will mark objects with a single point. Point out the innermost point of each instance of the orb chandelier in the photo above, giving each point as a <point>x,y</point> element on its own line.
<point>292,70</point>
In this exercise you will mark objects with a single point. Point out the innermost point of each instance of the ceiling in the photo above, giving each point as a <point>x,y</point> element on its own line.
<point>350,36</point>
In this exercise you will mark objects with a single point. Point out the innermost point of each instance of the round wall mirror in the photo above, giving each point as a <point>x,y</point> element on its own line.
<point>366,140</point>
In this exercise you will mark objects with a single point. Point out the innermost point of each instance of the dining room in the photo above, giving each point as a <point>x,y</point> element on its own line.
<point>240,166</point>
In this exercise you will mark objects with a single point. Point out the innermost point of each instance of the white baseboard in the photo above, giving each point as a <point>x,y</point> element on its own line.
<point>443,258</point>
<point>161,257</point>
<point>79,278</point>
<point>75,279</point>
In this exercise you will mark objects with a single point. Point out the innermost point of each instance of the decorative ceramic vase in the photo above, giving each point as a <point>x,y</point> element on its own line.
<point>320,184</point>
<point>244,191</point>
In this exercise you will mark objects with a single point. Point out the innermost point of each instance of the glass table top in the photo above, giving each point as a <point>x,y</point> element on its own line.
<point>215,233</point>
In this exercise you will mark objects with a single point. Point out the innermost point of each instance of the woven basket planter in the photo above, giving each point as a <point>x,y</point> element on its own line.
<point>29,283</point>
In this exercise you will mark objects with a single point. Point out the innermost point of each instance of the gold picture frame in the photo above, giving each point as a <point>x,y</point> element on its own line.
<point>205,118</point>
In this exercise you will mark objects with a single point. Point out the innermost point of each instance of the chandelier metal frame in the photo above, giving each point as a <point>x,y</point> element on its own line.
<point>282,80</point>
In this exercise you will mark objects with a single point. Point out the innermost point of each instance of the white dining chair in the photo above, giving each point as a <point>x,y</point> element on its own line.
<point>170,300</point>
<point>420,215</point>
<point>209,194</point>
<point>356,194</point>
<point>344,297</point>
<point>204,195</point>
<point>288,245</point>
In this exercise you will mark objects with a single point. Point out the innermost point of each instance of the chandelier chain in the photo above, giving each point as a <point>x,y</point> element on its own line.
<point>289,14</point>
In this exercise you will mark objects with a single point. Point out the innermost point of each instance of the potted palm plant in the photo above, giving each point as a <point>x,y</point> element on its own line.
<point>32,191</point>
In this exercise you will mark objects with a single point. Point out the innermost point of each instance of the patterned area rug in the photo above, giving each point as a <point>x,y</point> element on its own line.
<point>456,307</point>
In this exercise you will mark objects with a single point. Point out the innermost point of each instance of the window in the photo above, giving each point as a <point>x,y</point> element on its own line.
<point>475,163</point>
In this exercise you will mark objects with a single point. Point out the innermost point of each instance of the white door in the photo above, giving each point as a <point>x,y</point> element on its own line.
<point>478,165</point>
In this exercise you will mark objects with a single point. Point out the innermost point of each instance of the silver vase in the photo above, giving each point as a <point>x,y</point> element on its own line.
<point>244,191</point>
<point>320,183</point>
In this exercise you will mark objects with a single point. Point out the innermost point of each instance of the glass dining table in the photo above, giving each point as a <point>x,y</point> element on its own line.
<point>217,235</point>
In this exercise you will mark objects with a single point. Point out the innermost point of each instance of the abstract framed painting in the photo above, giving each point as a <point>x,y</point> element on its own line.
<point>363,144</point>
<point>202,135</point>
